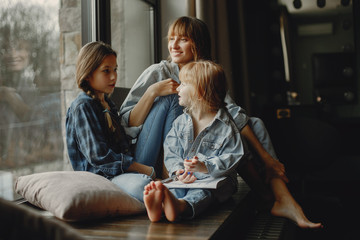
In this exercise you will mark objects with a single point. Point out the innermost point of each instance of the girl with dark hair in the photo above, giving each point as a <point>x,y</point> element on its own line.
<point>96,140</point>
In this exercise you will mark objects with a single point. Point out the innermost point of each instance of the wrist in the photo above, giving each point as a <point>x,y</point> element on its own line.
<point>152,173</point>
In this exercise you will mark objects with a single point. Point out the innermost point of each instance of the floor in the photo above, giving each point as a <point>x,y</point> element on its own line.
<point>331,196</point>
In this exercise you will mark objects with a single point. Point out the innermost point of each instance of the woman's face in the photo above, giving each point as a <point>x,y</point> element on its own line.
<point>103,79</point>
<point>17,56</point>
<point>186,92</point>
<point>180,50</point>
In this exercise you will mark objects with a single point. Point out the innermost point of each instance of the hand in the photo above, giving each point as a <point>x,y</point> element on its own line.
<point>7,93</point>
<point>274,168</point>
<point>194,165</point>
<point>163,88</point>
<point>185,176</point>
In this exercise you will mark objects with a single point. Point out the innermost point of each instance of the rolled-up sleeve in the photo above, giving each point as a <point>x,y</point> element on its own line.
<point>237,113</point>
<point>227,159</point>
<point>173,151</point>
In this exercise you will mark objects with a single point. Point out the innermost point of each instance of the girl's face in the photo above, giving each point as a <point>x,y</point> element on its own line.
<point>186,92</point>
<point>180,50</point>
<point>103,79</point>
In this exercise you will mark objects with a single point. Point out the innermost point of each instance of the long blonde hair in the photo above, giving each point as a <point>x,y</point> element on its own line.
<point>209,81</point>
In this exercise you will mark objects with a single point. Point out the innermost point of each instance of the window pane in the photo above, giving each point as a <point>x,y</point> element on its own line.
<point>30,109</point>
<point>132,37</point>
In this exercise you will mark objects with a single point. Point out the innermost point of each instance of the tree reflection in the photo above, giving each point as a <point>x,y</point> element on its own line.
<point>30,112</point>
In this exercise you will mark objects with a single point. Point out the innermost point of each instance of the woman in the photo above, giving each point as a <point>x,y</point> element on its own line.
<point>152,106</point>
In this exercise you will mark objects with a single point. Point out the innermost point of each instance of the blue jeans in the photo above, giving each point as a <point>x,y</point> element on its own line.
<point>201,199</point>
<point>155,128</point>
<point>259,129</point>
<point>132,183</point>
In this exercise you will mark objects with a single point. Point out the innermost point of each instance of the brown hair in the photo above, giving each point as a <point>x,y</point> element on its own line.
<point>197,31</point>
<point>209,81</point>
<point>89,59</point>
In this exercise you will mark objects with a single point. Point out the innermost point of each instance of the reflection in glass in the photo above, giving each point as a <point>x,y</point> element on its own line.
<point>30,112</point>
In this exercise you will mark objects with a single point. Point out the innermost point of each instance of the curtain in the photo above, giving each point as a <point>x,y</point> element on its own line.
<point>225,20</point>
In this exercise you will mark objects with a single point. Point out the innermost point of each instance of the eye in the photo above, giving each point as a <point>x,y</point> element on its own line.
<point>106,71</point>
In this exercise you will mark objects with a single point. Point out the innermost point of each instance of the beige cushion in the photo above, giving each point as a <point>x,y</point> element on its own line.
<point>76,195</point>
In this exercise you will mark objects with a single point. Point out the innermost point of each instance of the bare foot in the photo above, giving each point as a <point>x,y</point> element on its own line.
<point>173,207</point>
<point>289,208</point>
<point>153,199</point>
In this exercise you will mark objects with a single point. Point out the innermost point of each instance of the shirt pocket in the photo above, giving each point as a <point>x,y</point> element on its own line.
<point>211,147</point>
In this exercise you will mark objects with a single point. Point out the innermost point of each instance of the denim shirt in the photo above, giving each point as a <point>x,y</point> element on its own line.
<point>162,71</point>
<point>219,145</point>
<point>91,146</point>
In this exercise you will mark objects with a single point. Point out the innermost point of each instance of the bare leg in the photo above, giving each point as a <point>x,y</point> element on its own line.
<point>153,199</point>
<point>286,206</point>
<point>250,175</point>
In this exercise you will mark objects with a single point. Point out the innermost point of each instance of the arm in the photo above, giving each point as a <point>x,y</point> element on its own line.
<point>93,144</point>
<point>140,111</point>
<point>15,101</point>
<point>142,95</point>
<point>225,160</point>
<point>174,150</point>
<point>273,166</point>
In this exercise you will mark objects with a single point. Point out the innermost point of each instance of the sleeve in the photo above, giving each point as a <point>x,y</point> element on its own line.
<point>228,158</point>
<point>173,151</point>
<point>93,145</point>
<point>237,113</point>
<point>150,76</point>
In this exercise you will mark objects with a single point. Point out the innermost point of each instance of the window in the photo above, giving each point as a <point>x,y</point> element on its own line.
<point>30,106</point>
<point>133,37</point>
<point>37,79</point>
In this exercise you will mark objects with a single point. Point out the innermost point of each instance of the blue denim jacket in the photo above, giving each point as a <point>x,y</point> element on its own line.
<point>219,146</point>
<point>162,71</point>
<point>91,147</point>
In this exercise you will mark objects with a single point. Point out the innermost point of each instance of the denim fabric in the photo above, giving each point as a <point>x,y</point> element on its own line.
<point>132,183</point>
<point>157,124</point>
<point>153,74</point>
<point>198,199</point>
<point>260,131</point>
<point>219,145</point>
<point>91,147</point>
<point>201,199</point>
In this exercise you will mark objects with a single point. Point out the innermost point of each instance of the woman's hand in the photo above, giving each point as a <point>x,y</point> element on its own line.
<point>142,108</point>
<point>185,176</point>
<point>275,168</point>
<point>163,88</point>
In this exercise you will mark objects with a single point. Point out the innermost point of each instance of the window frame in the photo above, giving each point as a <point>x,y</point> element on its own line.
<point>96,23</point>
